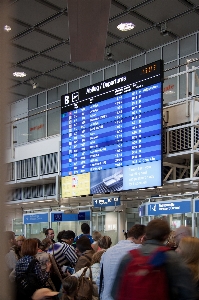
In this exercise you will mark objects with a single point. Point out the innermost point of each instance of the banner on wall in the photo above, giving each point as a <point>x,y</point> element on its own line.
<point>62,217</point>
<point>35,218</point>
<point>169,207</point>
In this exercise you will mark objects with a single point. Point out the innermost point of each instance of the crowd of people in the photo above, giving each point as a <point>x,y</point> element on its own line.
<point>54,268</point>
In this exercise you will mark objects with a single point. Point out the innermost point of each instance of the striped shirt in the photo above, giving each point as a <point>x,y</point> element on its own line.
<point>22,266</point>
<point>111,260</point>
<point>64,254</point>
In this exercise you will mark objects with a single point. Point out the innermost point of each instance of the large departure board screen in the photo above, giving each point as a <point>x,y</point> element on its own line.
<point>112,134</point>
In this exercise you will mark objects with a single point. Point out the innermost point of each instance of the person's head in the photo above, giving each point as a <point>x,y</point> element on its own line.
<point>43,294</point>
<point>105,242</point>
<point>59,236</point>
<point>136,233</point>
<point>45,244</point>
<point>83,244</point>
<point>188,248</point>
<point>19,240</point>
<point>39,244</point>
<point>96,235</point>
<point>157,229</point>
<point>69,287</point>
<point>10,238</point>
<point>97,257</point>
<point>181,232</point>
<point>29,247</point>
<point>85,228</point>
<point>49,233</point>
<point>68,237</point>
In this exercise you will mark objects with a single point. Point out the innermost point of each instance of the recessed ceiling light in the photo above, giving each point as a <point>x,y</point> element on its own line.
<point>7,28</point>
<point>31,202</point>
<point>24,203</point>
<point>41,201</point>
<point>19,74</point>
<point>125,26</point>
<point>49,200</point>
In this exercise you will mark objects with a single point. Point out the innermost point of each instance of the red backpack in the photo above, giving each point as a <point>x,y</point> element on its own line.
<point>144,277</point>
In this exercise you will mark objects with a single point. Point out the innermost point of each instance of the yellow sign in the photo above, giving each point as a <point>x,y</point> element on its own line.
<point>76,185</point>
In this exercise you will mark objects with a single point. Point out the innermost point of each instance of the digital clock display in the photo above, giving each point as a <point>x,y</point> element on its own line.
<point>112,134</point>
<point>149,69</point>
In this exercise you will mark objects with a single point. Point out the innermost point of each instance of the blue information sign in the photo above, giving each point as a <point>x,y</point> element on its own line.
<point>35,218</point>
<point>196,205</point>
<point>169,207</point>
<point>102,202</point>
<point>62,217</point>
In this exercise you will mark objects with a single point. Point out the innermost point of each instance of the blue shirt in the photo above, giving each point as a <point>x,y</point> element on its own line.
<point>111,260</point>
<point>87,235</point>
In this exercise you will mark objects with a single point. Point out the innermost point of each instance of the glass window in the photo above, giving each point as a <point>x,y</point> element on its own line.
<point>32,102</point>
<point>97,77</point>
<point>73,86</point>
<point>110,72</point>
<point>170,52</point>
<point>153,55</point>
<point>37,126</point>
<point>53,117</point>
<point>52,95</point>
<point>188,45</point>
<point>170,85</point>
<point>138,61</point>
<point>62,90</point>
<point>21,132</point>
<point>42,99</point>
<point>84,81</point>
<point>123,67</point>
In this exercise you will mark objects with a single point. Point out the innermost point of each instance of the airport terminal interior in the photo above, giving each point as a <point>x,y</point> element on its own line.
<point>103,120</point>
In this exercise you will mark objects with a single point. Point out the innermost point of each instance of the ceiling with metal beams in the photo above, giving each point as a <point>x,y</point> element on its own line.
<point>40,43</point>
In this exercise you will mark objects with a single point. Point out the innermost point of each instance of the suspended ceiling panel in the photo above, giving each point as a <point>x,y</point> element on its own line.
<point>40,42</point>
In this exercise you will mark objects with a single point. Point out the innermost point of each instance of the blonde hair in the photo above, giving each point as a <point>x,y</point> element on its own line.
<point>97,256</point>
<point>20,238</point>
<point>189,247</point>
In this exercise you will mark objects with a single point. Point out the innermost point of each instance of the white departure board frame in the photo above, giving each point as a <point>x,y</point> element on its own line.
<point>112,134</point>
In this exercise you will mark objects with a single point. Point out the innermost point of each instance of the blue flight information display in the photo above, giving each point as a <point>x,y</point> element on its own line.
<point>112,134</point>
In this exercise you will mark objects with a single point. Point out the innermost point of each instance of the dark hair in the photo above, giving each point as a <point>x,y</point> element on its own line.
<point>29,247</point>
<point>85,228</point>
<point>46,232</point>
<point>69,286</point>
<point>83,244</point>
<point>136,231</point>
<point>45,243</point>
<point>157,229</point>
<point>105,242</point>
<point>59,236</point>
<point>38,242</point>
<point>9,235</point>
<point>68,234</point>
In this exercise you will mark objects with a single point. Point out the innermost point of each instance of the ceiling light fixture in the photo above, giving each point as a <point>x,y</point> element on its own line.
<point>7,28</point>
<point>19,74</point>
<point>125,26</point>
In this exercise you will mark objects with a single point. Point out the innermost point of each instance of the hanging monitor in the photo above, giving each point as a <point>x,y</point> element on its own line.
<point>112,134</point>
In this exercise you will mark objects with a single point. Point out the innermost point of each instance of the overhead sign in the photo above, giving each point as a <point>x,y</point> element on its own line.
<point>142,210</point>
<point>35,218</point>
<point>62,217</point>
<point>169,207</point>
<point>103,202</point>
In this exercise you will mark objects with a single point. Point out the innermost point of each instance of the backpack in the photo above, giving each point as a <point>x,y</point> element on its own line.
<point>85,286</point>
<point>144,277</point>
<point>28,283</point>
